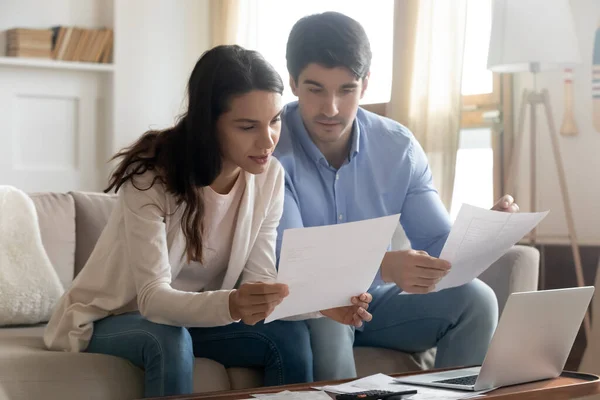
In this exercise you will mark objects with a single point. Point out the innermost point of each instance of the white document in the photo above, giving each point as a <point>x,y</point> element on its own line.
<point>478,238</point>
<point>373,382</point>
<point>385,382</point>
<point>325,266</point>
<point>298,395</point>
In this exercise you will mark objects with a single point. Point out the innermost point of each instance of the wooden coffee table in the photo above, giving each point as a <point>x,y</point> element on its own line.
<point>570,385</point>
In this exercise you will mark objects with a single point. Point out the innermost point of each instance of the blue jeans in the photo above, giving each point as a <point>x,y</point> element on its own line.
<point>166,353</point>
<point>459,321</point>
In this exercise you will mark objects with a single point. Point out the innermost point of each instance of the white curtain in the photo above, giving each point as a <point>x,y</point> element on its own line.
<point>426,92</point>
<point>224,19</point>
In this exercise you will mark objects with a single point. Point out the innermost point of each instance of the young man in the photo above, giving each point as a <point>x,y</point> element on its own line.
<point>345,164</point>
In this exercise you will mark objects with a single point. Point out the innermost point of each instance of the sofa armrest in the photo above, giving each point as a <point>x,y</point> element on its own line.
<point>515,271</point>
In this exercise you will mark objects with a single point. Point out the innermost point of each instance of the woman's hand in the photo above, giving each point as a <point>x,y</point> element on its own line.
<point>253,302</point>
<point>354,314</point>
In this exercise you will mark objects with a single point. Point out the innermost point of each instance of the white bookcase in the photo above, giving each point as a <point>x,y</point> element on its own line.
<point>61,121</point>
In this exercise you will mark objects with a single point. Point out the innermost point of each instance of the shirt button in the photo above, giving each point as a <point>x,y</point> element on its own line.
<point>340,217</point>
<point>337,176</point>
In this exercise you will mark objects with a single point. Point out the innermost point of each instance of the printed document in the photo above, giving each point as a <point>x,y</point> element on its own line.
<point>324,266</point>
<point>478,238</point>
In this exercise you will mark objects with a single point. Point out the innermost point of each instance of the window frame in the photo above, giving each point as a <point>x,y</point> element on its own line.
<point>490,110</point>
<point>494,111</point>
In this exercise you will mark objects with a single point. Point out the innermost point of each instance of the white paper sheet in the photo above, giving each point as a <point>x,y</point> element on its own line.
<point>478,238</point>
<point>297,395</point>
<point>385,382</point>
<point>325,266</point>
<point>373,382</point>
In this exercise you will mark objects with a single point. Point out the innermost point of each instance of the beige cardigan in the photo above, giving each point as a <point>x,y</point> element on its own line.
<point>142,249</point>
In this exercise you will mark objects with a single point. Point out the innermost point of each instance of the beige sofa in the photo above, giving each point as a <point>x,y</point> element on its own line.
<point>70,224</point>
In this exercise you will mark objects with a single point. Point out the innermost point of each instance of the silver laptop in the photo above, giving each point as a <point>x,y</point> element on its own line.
<point>532,342</point>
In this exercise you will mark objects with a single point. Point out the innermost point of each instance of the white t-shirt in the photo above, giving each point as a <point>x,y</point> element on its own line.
<point>220,217</point>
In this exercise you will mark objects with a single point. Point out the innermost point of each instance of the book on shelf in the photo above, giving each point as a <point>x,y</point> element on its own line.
<point>22,42</point>
<point>72,43</point>
<point>66,43</point>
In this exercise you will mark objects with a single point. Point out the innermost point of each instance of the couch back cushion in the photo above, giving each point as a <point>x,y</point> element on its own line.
<point>92,211</point>
<point>56,218</point>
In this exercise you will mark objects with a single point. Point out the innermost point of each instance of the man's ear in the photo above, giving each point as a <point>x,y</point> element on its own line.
<point>293,86</point>
<point>365,84</point>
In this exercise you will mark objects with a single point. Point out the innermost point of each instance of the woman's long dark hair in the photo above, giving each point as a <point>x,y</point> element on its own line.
<point>188,156</point>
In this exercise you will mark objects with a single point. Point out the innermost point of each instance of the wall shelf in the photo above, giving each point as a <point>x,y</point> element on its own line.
<point>55,64</point>
<point>65,119</point>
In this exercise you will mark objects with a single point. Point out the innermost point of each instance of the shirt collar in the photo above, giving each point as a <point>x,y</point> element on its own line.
<point>311,148</point>
<point>355,146</point>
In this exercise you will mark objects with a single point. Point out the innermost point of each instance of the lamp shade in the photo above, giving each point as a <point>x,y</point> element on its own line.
<point>532,35</point>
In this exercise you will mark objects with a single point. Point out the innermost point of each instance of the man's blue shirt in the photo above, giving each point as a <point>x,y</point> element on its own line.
<point>386,173</point>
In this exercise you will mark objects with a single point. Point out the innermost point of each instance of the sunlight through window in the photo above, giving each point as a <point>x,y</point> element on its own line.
<point>265,27</point>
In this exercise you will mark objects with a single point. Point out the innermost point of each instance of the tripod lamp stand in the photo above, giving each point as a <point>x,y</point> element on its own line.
<point>535,36</point>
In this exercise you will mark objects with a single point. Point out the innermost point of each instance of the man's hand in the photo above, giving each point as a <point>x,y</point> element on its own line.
<point>354,314</point>
<point>506,204</point>
<point>413,271</point>
<point>253,302</point>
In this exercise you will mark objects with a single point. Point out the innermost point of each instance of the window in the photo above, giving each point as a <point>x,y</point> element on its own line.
<point>477,79</point>
<point>473,180</point>
<point>266,24</point>
<point>478,173</point>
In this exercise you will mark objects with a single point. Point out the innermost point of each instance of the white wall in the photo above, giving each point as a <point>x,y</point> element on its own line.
<point>42,14</point>
<point>581,154</point>
<point>158,43</point>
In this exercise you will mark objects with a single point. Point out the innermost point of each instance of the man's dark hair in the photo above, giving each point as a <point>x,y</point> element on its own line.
<point>330,39</point>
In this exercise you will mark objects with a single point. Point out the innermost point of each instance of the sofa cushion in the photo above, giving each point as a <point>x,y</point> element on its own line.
<point>245,378</point>
<point>210,376</point>
<point>92,211</point>
<point>56,217</point>
<point>28,370</point>
<point>374,360</point>
<point>369,361</point>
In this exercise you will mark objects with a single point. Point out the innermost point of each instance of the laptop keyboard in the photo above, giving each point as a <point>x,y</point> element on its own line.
<point>463,380</point>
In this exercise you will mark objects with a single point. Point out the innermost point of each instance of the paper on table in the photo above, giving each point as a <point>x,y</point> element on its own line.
<point>478,238</point>
<point>270,395</point>
<point>325,266</point>
<point>385,382</point>
<point>373,382</point>
<point>298,395</point>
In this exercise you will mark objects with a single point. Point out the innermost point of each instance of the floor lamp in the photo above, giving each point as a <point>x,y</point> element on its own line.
<point>534,36</point>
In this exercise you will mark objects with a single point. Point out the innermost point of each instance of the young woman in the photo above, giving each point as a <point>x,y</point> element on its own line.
<point>186,264</point>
